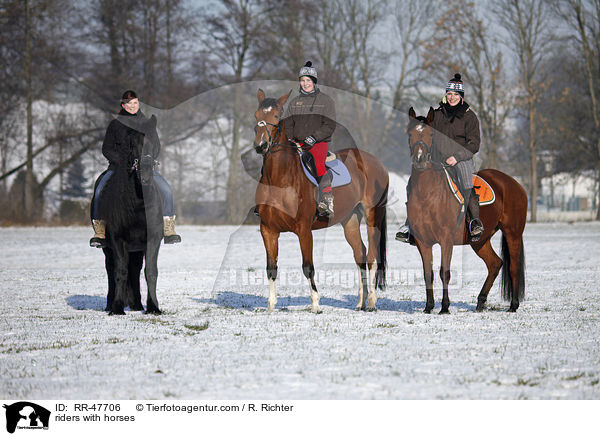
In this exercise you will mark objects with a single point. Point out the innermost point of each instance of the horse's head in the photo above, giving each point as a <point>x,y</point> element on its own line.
<point>143,162</point>
<point>420,138</point>
<point>268,116</point>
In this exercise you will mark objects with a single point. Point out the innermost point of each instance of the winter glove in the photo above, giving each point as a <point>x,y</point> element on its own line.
<point>310,141</point>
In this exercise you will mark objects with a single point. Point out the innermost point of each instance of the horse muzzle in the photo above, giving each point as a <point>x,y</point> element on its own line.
<point>260,148</point>
<point>419,159</point>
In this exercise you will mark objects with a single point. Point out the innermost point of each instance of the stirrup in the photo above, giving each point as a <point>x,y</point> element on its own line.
<point>475,229</point>
<point>403,234</point>
<point>98,242</point>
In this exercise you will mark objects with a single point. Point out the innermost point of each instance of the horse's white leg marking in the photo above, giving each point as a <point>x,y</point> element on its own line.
<point>315,297</point>
<point>361,291</point>
<point>372,295</point>
<point>272,296</point>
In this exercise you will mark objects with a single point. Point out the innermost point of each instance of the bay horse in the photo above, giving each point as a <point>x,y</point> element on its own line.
<point>130,204</point>
<point>433,213</point>
<point>286,202</point>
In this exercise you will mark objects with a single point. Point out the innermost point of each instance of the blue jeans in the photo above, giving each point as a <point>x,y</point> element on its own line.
<point>166,194</point>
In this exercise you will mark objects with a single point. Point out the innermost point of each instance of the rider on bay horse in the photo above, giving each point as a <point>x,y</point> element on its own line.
<point>456,139</point>
<point>131,125</point>
<point>310,122</point>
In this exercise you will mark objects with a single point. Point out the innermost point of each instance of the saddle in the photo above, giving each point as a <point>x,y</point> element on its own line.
<point>483,189</point>
<point>340,175</point>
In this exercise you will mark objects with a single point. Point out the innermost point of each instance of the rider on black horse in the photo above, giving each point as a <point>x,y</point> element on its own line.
<point>456,140</point>
<point>121,136</point>
<point>310,122</point>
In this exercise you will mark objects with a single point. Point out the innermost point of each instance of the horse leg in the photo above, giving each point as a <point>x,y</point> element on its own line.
<point>352,233</point>
<point>271,241</point>
<point>121,262</point>
<point>373,234</point>
<point>447,247</point>
<point>308,268</point>
<point>427,259</point>
<point>110,273</point>
<point>133,278</point>
<point>493,263</point>
<point>516,263</point>
<point>151,273</point>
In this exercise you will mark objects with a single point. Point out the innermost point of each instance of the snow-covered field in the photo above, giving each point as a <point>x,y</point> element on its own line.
<point>215,339</point>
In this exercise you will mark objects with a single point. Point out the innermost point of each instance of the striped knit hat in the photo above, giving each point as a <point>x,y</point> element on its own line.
<point>456,85</point>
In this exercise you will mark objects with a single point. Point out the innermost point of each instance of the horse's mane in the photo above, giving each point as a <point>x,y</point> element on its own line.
<point>118,200</point>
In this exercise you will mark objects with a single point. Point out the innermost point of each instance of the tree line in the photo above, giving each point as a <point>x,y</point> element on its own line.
<point>531,71</point>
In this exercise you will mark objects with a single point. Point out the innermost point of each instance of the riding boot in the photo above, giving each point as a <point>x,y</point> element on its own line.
<point>99,238</point>
<point>475,224</point>
<point>325,196</point>
<point>169,229</point>
<point>404,234</point>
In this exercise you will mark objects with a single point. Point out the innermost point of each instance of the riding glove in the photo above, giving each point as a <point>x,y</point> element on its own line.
<point>310,141</point>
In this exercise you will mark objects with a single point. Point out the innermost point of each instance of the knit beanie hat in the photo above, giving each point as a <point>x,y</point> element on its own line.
<point>456,85</point>
<point>308,70</point>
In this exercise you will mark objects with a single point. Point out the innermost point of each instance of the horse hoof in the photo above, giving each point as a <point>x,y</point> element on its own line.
<point>371,309</point>
<point>512,309</point>
<point>317,310</point>
<point>426,310</point>
<point>153,312</point>
<point>115,312</point>
<point>444,312</point>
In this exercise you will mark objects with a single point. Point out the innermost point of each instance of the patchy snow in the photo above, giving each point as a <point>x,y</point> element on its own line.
<point>215,339</point>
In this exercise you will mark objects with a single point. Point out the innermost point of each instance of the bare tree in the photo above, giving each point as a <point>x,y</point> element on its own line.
<point>527,23</point>
<point>463,43</point>
<point>583,20</point>
<point>233,32</point>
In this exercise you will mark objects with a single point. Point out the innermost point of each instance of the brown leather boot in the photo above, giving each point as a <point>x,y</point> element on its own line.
<point>99,238</point>
<point>169,229</point>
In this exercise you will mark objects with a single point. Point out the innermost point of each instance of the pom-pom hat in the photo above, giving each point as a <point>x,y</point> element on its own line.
<point>309,71</point>
<point>456,85</point>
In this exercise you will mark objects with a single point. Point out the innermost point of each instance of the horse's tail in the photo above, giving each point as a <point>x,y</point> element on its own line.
<point>381,211</point>
<point>508,287</point>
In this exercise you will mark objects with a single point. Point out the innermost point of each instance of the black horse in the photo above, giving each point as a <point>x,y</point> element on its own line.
<point>130,204</point>
<point>134,268</point>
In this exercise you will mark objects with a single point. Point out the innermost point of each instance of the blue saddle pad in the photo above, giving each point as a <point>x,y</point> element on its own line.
<point>339,172</point>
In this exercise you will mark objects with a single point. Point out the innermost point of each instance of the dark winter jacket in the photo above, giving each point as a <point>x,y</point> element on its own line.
<point>125,133</point>
<point>310,115</point>
<point>456,132</point>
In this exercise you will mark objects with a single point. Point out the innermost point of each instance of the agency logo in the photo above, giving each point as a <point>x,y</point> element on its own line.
<point>25,415</point>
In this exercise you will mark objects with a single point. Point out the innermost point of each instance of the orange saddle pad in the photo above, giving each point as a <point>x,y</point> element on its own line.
<point>483,189</point>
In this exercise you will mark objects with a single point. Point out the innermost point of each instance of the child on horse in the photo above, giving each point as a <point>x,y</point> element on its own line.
<point>456,140</point>
<point>122,133</point>
<point>310,122</point>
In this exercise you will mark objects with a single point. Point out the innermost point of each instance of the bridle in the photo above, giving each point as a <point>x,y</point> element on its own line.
<point>422,145</point>
<point>264,150</point>
<point>144,162</point>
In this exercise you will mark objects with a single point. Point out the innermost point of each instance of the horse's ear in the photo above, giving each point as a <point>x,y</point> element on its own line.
<point>261,95</point>
<point>411,113</point>
<point>281,101</point>
<point>430,115</point>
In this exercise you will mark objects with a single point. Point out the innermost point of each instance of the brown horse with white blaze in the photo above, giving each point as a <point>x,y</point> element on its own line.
<point>286,202</point>
<point>433,213</point>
